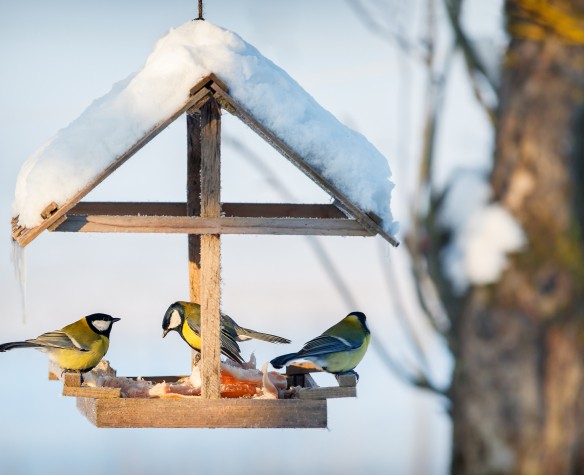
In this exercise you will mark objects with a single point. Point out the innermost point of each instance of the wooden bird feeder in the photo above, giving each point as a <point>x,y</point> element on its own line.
<point>204,218</point>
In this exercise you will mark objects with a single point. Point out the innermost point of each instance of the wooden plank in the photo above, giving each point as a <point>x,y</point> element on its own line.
<point>251,210</point>
<point>92,392</point>
<point>193,205</point>
<point>326,393</point>
<point>72,380</point>
<point>346,380</point>
<point>210,251</point>
<point>72,385</point>
<point>235,108</point>
<point>221,225</point>
<point>204,413</point>
<point>26,236</point>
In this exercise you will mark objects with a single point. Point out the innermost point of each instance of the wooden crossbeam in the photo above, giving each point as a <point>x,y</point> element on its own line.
<point>220,225</point>
<point>241,210</point>
<point>237,218</point>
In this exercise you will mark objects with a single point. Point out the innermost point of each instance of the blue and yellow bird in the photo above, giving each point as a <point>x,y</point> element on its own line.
<point>185,319</point>
<point>78,347</point>
<point>338,350</point>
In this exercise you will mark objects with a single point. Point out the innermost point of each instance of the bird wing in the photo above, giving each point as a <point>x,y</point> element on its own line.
<point>58,339</point>
<point>326,344</point>
<point>228,344</point>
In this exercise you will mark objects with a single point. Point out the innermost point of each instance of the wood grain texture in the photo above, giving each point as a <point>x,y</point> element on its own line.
<point>326,392</point>
<point>204,413</point>
<point>210,251</point>
<point>210,316</point>
<point>238,210</point>
<point>193,205</point>
<point>218,225</point>
<point>92,392</point>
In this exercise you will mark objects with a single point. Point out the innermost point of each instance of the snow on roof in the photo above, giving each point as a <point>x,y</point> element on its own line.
<point>113,123</point>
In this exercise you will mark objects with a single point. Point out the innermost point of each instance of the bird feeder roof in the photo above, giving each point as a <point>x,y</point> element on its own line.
<point>184,62</point>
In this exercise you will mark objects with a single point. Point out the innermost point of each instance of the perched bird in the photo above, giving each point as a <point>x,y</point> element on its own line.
<point>338,350</point>
<point>185,318</point>
<point>78,347</point>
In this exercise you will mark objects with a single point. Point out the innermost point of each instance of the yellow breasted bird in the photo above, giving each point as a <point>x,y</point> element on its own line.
<point>185,319</point>
<point>338,350</point>
<point>79,346</point>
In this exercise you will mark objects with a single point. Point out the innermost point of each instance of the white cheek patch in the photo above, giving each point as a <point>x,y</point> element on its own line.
<point>175,320</point>
<point>101,325</point>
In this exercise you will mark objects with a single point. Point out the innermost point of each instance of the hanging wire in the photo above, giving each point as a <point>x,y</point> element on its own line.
<point>200,17</point>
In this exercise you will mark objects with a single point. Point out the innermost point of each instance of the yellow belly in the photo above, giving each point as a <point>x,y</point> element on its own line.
<point>76,360</point>
<point>191,337</point>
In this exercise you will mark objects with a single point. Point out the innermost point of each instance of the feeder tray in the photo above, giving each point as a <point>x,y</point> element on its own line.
<point>305,407</point>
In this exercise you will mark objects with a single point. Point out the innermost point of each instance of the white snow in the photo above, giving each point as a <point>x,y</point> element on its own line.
<point>111,124</point>
<point>483,234</point>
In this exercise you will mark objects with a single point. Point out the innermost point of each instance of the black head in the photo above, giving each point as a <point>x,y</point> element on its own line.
<point>362,320</point>
<point>101,323</point>
<point>173,318</point>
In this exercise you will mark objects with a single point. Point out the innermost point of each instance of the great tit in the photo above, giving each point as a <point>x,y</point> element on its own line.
<point>185,318</point>
<point>338,350</point>
<point>78,347</point>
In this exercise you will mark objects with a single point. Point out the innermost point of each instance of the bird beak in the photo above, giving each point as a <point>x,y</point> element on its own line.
<point>164,332</point>
<point>115,320</point>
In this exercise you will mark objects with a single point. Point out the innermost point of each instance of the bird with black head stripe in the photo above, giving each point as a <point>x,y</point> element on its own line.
<point>77,347</point>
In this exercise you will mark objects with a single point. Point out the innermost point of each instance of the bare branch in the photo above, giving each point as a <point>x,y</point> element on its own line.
<point>473,62</point>
<point>369,20</point>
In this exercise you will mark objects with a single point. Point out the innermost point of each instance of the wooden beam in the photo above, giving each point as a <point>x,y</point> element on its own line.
<point>221,225</point>
<point>193,208</point>
<point>203,93</point>
<point>326,393</point>
<point>193,205</point>
<point>203,413</point>
<point>235,108</point>
<point>210,251</point>
<point>257,210</point>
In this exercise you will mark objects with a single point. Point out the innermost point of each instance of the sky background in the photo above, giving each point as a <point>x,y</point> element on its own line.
<point>57,57</point>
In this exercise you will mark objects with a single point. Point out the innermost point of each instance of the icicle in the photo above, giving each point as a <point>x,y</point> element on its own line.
<point>19,266</point>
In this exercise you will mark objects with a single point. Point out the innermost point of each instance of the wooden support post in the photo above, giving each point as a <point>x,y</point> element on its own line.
<point>210,251</point>
<point>194,208</point>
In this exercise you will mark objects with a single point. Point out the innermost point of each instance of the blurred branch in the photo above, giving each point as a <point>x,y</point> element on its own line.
<point>385,32</point>
<point>474,64</point>
<point>418,380</point>
<point>422,212</point>
<point>401,313</point>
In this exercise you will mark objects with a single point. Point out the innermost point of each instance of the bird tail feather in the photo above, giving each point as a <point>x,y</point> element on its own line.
<point>246,333</point>
<point>280,361</point>
<point>17,344</point>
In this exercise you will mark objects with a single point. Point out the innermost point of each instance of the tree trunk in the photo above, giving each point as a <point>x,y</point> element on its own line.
<point>518,386</point>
